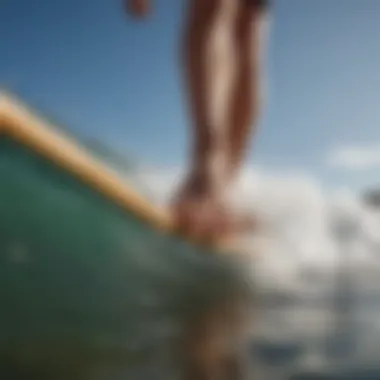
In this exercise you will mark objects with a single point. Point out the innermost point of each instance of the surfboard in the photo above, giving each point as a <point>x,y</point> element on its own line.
<point>89,268</point>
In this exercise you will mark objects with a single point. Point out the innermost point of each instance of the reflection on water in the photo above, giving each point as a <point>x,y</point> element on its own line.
<point>321,343</point>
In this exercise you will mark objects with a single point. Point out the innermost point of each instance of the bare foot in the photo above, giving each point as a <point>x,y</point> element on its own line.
<point>198,212</point>
<point>201,214</point>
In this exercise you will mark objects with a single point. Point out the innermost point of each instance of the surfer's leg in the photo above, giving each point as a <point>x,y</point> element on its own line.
<point>209,64</point>
<point>249,32</point>
<point>209,53</point>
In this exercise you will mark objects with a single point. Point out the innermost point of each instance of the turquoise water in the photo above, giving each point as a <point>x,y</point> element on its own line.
<point>85,286</point>
<point>88,291</point>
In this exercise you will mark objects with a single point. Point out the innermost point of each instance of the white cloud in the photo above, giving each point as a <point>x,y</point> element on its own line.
<point>355,157</point>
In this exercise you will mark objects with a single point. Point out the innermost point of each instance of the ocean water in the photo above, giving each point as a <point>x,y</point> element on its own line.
<point>317,275</point>
<point>316,278</point>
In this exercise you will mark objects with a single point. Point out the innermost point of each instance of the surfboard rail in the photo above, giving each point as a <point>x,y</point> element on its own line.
<point>24,126</point>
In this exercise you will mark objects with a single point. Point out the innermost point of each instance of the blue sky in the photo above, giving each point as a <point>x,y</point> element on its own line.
<point>105,76</point>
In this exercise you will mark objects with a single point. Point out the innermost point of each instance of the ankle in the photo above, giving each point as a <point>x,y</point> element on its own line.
<point>209,171</point>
